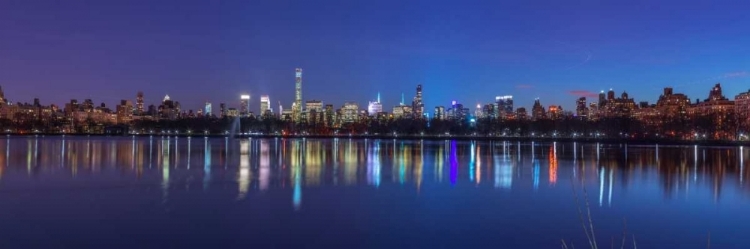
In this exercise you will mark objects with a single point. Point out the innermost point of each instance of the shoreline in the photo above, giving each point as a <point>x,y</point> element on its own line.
<point>430,137</point>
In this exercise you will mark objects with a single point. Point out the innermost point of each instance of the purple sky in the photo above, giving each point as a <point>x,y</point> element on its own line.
<point>199,51</point>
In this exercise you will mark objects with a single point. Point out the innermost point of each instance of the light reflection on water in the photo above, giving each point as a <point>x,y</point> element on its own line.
<point>261,164</point>
<point>245,167</point>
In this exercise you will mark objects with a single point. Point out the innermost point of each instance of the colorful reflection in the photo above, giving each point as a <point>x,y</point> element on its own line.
<point>296,164</point>
<point>553,164</point>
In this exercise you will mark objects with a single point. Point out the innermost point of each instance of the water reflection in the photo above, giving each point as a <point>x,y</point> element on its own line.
<point>249,165</point>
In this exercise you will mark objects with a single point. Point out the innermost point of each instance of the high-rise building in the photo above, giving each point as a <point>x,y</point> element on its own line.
<point>611,94</point>
<point>504,106</point>
<point>244,105</point>
<point>139,103</point>
<point>602,99</point>
<point>537,111</point>
<point>169,109</point>
<point>222,110</point>
<point>232,112</point>
<point>265,104</point>
<point>375,107</point>
<point>417,106</point>
<point>439,113</point>
<point>521,113</point>
<point>314,111</point>
<point>489,111</point>
<point>555,112</point>
<point>329,117</point>
<point>297,107</point>
<point>719,110</point>
<point>207,109</point>
<point>349,112</point>
<point>457,111</point>
<point>624,106</point>
<point>672,105</point>
<point>479,112</point>
<point>742,110</point>
<point>581,110</point>
<point>124,111</point>
<point>593,113</point>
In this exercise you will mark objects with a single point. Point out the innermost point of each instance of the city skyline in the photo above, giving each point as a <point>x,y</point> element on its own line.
<point>214,52</point>
<point>245,104</point>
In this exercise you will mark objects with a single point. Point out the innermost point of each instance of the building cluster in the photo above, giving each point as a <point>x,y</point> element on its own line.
<point>86,116</point>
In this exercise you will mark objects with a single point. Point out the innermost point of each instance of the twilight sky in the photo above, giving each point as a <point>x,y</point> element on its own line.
<point>469,51</point>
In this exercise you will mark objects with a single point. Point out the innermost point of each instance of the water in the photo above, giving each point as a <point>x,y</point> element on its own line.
<point>80,192</point>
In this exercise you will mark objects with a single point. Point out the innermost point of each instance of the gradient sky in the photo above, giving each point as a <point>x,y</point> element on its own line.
<point>469,51</point>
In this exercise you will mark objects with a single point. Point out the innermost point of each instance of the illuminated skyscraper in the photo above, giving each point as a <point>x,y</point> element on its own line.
<point>581,110</point>
<point>375,107</point>
<point>265,104</point>
<point>417,106</point>
<point>139,103</point>
<point>504,106</point>
<point>439,113</point>
<point>314,111</point>
<point>742,110</point>
<point>297,107</point>
<point>478,112</point>
<point>244,105</point>
<point>537,111</point>
<point>207,110</point>
<point>350,111</point>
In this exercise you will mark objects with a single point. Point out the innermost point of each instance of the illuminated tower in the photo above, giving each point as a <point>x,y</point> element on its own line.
<point>373,108</point>
<point>207,109</point>
<point>265,104</point>
<point>139,103</point>
<point>297,107</point>
<point>417,106</point>
<point>244,105</point>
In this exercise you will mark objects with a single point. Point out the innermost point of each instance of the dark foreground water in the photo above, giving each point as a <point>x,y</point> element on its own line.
<point>58,192</point>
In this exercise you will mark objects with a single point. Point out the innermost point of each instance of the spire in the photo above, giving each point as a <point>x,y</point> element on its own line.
<point>402,98</point>
<point>378,97</point>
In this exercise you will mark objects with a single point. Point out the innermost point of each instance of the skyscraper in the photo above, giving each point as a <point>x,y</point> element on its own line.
<point>265,104</point>
<point>537,111</point>
<point>350,111</point>
<point>297,107</point>
<point>504,106</point>
<point>207,110</point>
<point>139,103</point>
<point>375,107</point>
<point>439,113</point>
<point>581,110</point>
<point>222,109</point>
<point>417,106</point>
<point>244,105</point>
<point>314,111</point>
<point>742,110</point>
